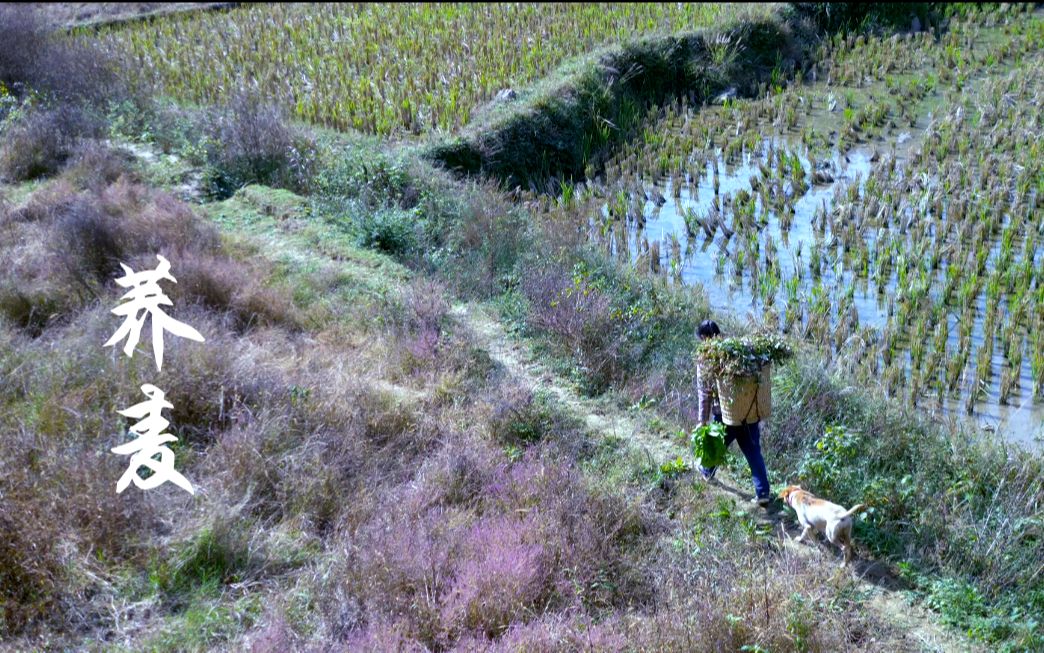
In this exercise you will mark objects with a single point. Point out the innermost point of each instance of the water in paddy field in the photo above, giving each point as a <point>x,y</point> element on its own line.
<point>738,277</point>
<point>712,261</point>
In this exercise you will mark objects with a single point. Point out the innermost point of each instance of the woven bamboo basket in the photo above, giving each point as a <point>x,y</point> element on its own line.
<point>745,400</point>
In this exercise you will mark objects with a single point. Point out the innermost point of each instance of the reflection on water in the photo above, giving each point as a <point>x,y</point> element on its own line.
<point>783,257</point>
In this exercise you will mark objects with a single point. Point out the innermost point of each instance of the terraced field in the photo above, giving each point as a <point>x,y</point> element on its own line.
<point>388,68</point>
<point>889,210</point>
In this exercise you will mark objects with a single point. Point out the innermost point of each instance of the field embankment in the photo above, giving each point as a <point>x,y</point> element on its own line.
<point>564,129</point>
<point>72,15</point>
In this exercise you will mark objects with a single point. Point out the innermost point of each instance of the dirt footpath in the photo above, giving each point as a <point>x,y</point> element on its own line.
<point>916,628</point>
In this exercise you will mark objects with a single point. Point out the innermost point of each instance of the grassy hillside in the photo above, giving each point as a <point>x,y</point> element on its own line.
<point>365,475</point>
<point>377,469</point>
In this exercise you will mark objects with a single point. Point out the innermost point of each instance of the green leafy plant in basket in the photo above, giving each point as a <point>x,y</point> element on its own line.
<point>743,356</point>
<point>741,370</point>
<point>708,444</point>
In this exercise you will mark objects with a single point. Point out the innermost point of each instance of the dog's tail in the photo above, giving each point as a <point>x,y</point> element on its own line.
<point>853,510</point>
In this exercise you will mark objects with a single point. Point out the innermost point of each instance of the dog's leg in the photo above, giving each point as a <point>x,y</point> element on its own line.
<point>847,549</point>
<point>807,529</point>
<point>845,540</point>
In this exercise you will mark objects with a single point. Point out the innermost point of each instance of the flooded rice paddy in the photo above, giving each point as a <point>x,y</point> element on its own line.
<point>889,212</point>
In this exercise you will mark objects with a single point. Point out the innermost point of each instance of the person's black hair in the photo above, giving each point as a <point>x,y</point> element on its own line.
<point>707,329</point>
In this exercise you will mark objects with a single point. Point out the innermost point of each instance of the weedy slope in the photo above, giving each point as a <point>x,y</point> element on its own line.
<point>369,477</point>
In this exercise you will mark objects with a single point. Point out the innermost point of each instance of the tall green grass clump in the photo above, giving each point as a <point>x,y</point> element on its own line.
<point>956,510</point>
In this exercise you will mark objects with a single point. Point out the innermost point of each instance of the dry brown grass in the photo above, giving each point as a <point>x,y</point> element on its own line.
<point>65,246</point>
<point>94,166</point>
<point>41,142</point>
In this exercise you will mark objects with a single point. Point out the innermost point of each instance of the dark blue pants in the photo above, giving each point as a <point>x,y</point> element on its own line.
<point>748,436</point>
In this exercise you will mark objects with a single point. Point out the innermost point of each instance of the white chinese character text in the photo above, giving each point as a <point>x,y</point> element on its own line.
<point>144,299</point>
<point>151,441</point>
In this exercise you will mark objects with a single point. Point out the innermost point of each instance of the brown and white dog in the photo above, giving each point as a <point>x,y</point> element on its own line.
<point>828,518</point>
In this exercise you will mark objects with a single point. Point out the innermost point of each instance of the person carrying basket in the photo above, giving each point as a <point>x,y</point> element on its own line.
<point>746,434</point>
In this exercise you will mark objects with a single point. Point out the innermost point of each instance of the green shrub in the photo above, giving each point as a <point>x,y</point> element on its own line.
<point>521,418</point>
<point>945,502</point>
<point>173,129</point>
<point>218,554</point>
<point>367,173</point>
<point>390,230</point>
<point>617,326</point>
<point>832,16</point>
